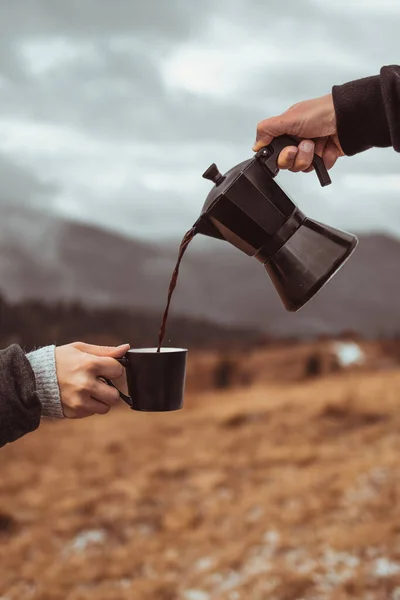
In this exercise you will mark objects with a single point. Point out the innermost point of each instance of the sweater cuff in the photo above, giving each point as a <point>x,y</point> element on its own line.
<point>43,364</point>
<point>360,115</point>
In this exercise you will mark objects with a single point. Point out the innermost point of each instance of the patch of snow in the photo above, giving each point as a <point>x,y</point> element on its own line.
<point>231,580</point>
<point>349,353</point>
<point>86,538</point>
<point>204,563</point>
<point>368,486</point>
<point>385,568</point>
<point>196,595</point>
<point>337,567</point>
<point>271,538</point>
<point>299,561</point>
<point>333,559</point>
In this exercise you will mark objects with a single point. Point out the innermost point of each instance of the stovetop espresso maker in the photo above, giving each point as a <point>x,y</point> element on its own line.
<point>247,208</point>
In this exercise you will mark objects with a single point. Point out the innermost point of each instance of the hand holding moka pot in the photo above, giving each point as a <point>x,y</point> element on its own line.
<point>247,208</point>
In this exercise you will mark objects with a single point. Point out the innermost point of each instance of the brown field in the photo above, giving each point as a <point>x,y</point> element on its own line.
<point>279,487</point>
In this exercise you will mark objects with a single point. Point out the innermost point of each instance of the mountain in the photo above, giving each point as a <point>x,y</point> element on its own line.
<point>48,258</point>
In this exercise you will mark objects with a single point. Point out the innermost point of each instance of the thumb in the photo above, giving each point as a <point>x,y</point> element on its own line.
<point>270,128</point>
<point>112,351</point>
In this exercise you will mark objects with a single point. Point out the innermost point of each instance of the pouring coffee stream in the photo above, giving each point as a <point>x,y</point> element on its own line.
<point>187,238</point>
<point>247,208</point>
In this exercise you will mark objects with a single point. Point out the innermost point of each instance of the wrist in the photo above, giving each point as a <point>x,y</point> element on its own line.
<point>44,367</point>
<point>361,116</point>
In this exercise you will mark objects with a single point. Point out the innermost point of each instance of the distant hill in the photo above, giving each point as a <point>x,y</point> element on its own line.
<point>48,258</point>
<point>33,323</point>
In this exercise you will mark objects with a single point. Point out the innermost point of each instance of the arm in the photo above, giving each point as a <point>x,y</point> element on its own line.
<point>356,116</point>
<point>20,408</point>
<point>55,382</point>
<point>368,112</point>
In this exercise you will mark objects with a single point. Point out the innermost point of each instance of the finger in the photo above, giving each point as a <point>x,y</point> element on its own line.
<point>304,156</point>
<point>287,156</point>
<point>87,407</point>
<point>330,155</point>
<point>105,367</point>
<point>319,150</point>
<point>77,413</point>
<point>113,351</point>
<point>263,138</point>
<point>320,145</point>
<point>122,384</point>
<point>96,407</point>
<point>104,393</point>
<point>268,129</point>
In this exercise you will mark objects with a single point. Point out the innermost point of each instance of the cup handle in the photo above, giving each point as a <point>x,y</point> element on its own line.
<point>123,396</point>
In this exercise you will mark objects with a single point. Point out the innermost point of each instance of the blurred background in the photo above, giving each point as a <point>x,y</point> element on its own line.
<point>280,479</point>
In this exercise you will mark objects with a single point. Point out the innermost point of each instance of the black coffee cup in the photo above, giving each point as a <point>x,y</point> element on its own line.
<point>156,380</point>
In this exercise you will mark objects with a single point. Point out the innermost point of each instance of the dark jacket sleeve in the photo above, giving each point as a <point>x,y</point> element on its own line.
<point>20,408</point>
<point>368,111</point>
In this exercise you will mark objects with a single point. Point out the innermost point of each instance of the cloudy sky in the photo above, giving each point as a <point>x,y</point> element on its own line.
<point>110,110</point>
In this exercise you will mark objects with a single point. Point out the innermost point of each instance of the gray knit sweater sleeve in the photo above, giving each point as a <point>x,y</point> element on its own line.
<point>43,364</point>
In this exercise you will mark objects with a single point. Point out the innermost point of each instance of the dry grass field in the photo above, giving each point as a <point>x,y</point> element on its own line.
<point>281,489</point>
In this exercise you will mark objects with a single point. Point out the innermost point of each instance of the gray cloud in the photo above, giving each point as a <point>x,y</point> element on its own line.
<point>87,106</point>
<point>76,18</point>
<point>19,186</point>
<point>116,92</point>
